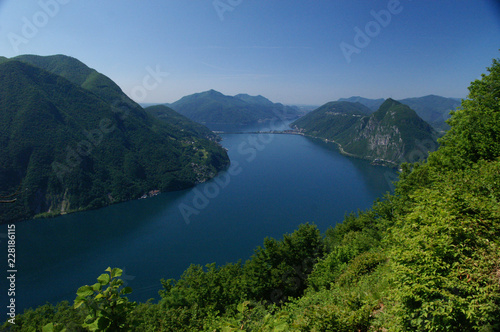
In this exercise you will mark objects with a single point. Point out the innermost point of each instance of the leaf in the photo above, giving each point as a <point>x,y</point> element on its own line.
<point>228,329</point>
<point>243,306</point>
<point>103,279</point>
<point>116,272</point>
<point>283,326</point>
<point>48,328</point>
<point>92,326</point>
<point>97,287</point>
<point>127,290</point>
<point>78,302</point>
<point>84,291</point>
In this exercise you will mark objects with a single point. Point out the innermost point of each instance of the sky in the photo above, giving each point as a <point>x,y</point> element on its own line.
<point>290,51</point>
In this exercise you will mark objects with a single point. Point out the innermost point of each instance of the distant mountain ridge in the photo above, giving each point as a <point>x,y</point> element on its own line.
<point>389,136</point>
<point>75,141</point>
<point>372,104</point>
<point>433,109</point>
<point>180,123</point>
<point>212,108</point>
<point>80,74</point>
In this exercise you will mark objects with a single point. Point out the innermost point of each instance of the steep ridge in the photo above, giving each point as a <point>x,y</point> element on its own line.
<point>434,110</point>
<point>65,148</point>
<point>212,108</point>
<point>332,119</point>
<point>179,123</point>
<point>391,135</point>
<point>372,104</point>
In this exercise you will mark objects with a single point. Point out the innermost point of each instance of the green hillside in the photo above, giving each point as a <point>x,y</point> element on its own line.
<point>257,100</point>
<point>182,126</point>
<point>65,148</point>
<point>212,107</point>
<point>372,104</point>
<point>331,119</point>
<point>277,109</point>
<point>425,258</point>
<point>78,73</point>
<point>434,110</point>
<point>391,135</point>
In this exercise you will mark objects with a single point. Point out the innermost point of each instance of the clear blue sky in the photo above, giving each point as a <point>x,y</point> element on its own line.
<point>286,50</point>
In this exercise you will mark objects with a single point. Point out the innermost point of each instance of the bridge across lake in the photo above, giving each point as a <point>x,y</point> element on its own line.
<point>287,132</point>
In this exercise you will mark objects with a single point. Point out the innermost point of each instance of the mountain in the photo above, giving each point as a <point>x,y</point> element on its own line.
<point>433,109</point>
<point>80,143</point>
<point>80,74</point>
<point>214,108</point>
<point>424,258</point>
<point>178,123</point>
<point>391,135</point>
<point>276,110</point>
<point>87,78</point>
<point>332,119</point>
<point>372,104</point>
<point>256,100</point>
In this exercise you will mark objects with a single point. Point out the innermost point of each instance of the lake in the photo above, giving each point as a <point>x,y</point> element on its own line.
<point>275,183</point>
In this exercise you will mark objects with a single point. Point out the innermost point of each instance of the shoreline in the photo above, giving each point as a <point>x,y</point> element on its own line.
<point>373,162</point>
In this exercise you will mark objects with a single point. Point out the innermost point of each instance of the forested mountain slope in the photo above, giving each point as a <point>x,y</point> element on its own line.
<point>425,258</point>
<point>214,108</point>
<point>391,135</point>
<point>179,123</point>
<point>80,74</point>
<point>434,110</point>
<point>64,147</point>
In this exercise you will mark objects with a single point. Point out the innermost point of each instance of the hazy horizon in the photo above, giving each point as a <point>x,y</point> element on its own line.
<point>294,53</point>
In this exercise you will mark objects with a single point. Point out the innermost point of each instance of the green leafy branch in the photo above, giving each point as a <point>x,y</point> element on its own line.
<point>106,303</point>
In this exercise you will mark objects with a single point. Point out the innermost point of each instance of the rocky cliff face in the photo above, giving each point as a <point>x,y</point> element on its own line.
<point>380,141</point>
<point>390,136</point>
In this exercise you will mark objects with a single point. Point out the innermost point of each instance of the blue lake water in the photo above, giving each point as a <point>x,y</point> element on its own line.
<point>275,183</point>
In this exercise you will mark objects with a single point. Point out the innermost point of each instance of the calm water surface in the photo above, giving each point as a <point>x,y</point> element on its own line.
<point>276,182</point>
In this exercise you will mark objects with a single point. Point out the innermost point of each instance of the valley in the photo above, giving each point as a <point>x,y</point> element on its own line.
<point>178,197</point>
<point>103,148</point>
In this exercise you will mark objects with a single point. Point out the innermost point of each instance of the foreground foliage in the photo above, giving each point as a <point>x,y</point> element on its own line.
<point>426,258</point>
<point>108,309</point>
